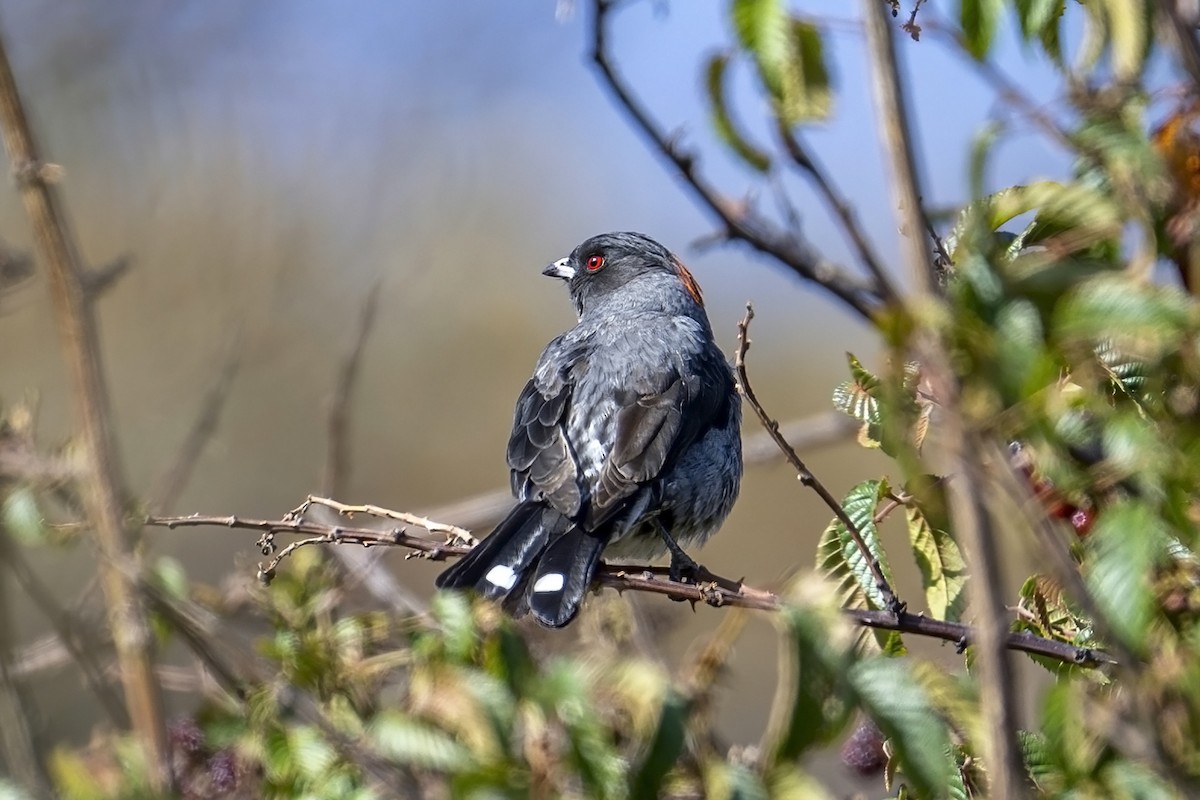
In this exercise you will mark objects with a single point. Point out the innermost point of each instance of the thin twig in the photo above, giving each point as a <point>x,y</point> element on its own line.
<point>710,589</point>
<point>836,201</point>
<point>104,494</point>
<point>16,736</point>
<point>172,481</point>
<point>387,513</point>
<point>740,224</point>
<point>361,568</point>
<point>972,522</point>
<point>75,638</point>
<point>891,602</point>
<point>337,458</point>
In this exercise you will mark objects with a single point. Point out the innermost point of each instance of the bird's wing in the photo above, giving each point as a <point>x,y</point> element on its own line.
<point>539,453</point>
<point>653,429</point>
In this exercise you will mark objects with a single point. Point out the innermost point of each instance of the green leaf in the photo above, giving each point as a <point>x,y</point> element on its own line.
<point>978,19</point>
<point>1040,19</point>
<point>564,691</point>
<point>901,708</point>
<point>1140,318</point>
<point>22,516</point>
<point>459,635</point>
<point>856,397</point>
<point>811,705</point>
<point>410,742</point>
<point>1128,32</point>
<point>1124,545</point>
<point>943,569</point>
<point>807,94</point>
<point>789,56</point>
<point>1038,757</point>
<point>171,577</point>
<point>723,122</point>
<point>839,557</point>
<point>664,748</point>
<point>311,755</point>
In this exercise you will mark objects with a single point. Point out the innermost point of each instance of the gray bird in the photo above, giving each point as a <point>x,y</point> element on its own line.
<point>626,442</point>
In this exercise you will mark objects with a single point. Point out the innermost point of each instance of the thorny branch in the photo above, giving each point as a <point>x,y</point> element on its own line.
<point>894,605</point>
<point>716,591</point>
<point>740,223</point>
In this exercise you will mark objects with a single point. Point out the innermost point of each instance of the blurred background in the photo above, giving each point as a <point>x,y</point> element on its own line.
<point>266,164</point>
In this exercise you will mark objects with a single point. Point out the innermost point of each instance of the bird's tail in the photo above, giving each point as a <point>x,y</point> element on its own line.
<point>536,558</point>
<point>563,575</point>
<point>499,563</point>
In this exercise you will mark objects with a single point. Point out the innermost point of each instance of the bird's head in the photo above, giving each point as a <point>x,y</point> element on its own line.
<point>613,264</point>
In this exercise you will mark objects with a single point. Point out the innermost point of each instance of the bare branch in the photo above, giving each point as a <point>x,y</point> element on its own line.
<point>174,479</point>
<point>805,474</point>
<point>75,638</point>
<point>333,475</point>
<point>710,589</point>
<point>104,495</point>
<point>740,224</point>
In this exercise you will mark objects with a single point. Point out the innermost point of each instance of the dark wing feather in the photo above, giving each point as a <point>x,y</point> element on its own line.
<point>539,454</point>
<point>652,431</point>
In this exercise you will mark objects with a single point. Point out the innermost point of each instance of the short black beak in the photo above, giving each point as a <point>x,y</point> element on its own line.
<point>560,269</point>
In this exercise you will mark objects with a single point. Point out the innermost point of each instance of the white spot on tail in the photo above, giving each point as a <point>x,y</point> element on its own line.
<point>501,576</point>
<point>552,582</point>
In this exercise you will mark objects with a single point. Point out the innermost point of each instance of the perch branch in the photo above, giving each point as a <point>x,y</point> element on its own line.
<point>104,494</point>
<point>712,589</point>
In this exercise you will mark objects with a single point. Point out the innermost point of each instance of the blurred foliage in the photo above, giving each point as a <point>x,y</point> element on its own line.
<point>1072,327</point>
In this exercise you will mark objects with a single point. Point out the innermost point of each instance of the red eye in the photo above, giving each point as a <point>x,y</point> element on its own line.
<point>594,263</point>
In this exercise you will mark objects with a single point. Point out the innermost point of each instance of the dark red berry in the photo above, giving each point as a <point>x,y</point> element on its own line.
<point>863,751</point>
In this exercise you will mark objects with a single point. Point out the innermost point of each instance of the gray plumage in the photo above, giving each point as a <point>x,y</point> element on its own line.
<point>629,427</point>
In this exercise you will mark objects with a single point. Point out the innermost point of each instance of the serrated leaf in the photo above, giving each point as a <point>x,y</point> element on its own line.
<point>1123,547</point>
<point>807,93</point>
<point>900,707</point>
<point>311,755</point>
<point>1137,317</point>
<point>943,569</point>
<point>789,56</point>
<point>978,19</point>
<point>857,398</point>
<point>811,704</point>
<point>22,516</point>
<point>1038,757</point>
<point>839,557</point>
<point>722,120</point>
<point>664,749</point>
<point>414,743</point>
